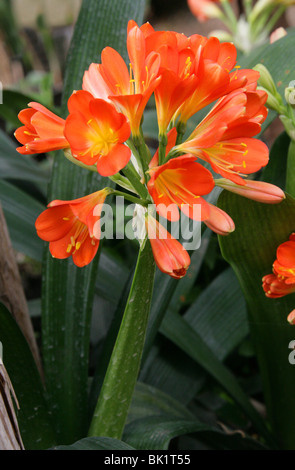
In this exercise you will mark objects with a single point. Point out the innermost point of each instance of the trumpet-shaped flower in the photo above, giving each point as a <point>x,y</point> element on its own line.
<point>215,60</point>
<point>170,256</point>
<point>179,184</point>
<point>96,133</point>
<point>43,131</point>
<point>225,137</point>
<point>130,89</point>
<point>186,64</point>
<point>72,228</point>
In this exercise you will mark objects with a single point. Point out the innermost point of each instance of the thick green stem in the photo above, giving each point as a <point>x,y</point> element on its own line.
<point>123,182</point>
<point>116,394</point>
<point>143,151</point>
<point>137,156</point>
<point>134,199</point>
<point>134,178</point>
<point>290,178</point>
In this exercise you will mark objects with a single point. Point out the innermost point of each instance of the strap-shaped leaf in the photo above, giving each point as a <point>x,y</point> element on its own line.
<point>275,170</point>
<point>251,250</point>
<point>19,167</point>
<point>156,433</point>
<point>179,331</point>
<point>68,291</point>
<point>21,210</point>
<point>33,416</point>
<point>97,443</point>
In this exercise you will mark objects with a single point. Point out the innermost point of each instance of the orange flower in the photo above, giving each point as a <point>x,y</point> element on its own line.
<point>170,256</point>
<point>275,287</point>
<point>43,131</point>
<point>186,63</point>
<point>128,90</point>
<point>72,227</point>
<point>179,184</point>
<point>284,265</point>
<point>96,133</point>
<point>204,9</point>
<point>282,281</point>
<point>225,137</point>
<point>178,55</point>
<point>213,66</point>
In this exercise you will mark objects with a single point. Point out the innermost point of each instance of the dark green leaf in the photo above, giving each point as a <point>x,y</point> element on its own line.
<point>179,331</point>
<point>251,250</point>
<point>273,56</point>
<point>21,212</point>
<point>68,290</point>
<point>219,314</point>
<point>156,432</point>
<point>275,171</point>
<point>33,416</point>
<point>97,443</point>
<point>149,401</point>
<point>16,166</point>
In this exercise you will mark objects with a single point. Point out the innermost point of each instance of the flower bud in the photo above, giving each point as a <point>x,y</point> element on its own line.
<point>266,80</point>
<point>256,190</point>
<point>219,221</point>
<point>290,94</point>
<point>170,256</point>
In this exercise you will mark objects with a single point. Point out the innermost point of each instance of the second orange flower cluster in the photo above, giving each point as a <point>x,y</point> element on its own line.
<point>103,131</point>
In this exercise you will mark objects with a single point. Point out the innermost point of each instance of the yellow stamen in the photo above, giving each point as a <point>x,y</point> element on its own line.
<point>69,248</point>
<point>65,218</point>
<point>78,244</point>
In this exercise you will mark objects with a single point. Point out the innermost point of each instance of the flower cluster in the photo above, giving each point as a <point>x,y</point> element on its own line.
<point>103,133</point>
<point>282,281</point>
